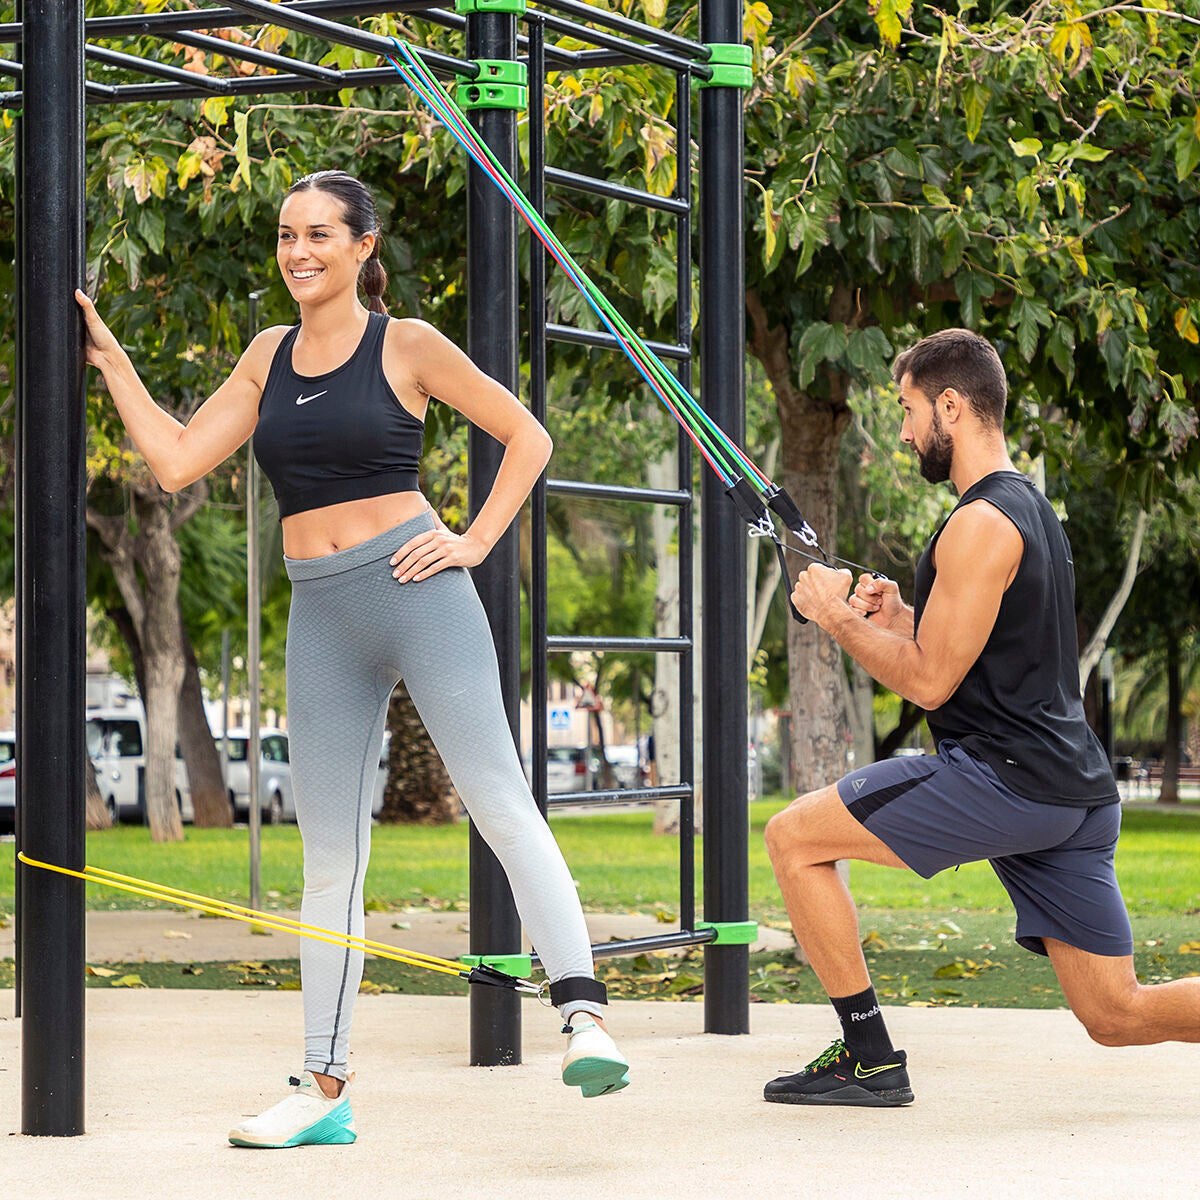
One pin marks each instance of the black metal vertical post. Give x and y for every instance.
(539, 600)
(492, 328)
(723, 535)
(18, 372)
(50, 603)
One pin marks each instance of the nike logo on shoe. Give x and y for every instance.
(861, 1074)
(306, 399)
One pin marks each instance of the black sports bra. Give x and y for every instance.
(326, 439)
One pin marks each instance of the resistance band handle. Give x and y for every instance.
(787, 582)
(495, 978)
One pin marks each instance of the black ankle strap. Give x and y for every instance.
(577, 987)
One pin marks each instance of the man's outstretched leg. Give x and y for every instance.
(1115, 1009)
(805, 842)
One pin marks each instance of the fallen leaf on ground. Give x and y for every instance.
(100, 972)
(129, 981)
(1190, 948)
(175, 933)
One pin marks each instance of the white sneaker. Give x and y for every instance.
(592, 1062)
(305, 1117)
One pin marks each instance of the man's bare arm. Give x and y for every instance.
(978, 555)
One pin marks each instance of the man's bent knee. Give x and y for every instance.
(787, 833)
(1118, 1023)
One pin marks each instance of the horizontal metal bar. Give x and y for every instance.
(93, 91)
(208, 84)
(645, 54)
(657, 941)
(262, 58)
(135, 24)
(616, 491)
(598, 338)
(614, 21)
(632, 645)
(246, 85)
(648, 795)
(614, 191)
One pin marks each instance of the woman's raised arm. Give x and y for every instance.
(180, 454)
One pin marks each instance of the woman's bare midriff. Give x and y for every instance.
(322, 531)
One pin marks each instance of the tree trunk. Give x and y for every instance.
(1091, 654)
(147, 564)
(210, 798)
(95, 814)
(1170, 775)
(811, 426)
(419, 791)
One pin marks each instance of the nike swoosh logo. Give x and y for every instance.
(306, 399)
(861, 1074)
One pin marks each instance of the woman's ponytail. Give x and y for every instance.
(373, 279)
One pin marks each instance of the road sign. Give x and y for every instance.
(560, 718)
(587, 699)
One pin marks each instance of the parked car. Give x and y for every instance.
(568, 769)
(116, 741)
(627, 769)
(276, 801)
(8, 780)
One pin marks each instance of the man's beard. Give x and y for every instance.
(936, 458)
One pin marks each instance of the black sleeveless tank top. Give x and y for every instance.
(1019, 709)
(326, 439)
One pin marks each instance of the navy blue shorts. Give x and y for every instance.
(1056, 863)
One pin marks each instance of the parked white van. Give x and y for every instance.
(116, 744)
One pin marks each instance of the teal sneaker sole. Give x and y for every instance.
(333, 1129)
(597, 1076)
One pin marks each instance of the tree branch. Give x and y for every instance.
(1099, 639)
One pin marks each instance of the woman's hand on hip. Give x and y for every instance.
(102, 348)
(434, 551)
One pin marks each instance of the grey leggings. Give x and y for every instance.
(354, 631)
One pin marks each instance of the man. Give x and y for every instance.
(989, 651)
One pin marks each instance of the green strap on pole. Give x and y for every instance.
(731, 65)
(731, 933)
(520, 965)
(499, 84)
(465, 7)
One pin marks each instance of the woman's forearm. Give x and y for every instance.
(525, 457)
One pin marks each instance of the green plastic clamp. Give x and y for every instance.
(499, 84)
(520, 965)
(730, 62)
(731, 933)
(465, 7)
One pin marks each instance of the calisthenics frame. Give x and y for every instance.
(54, 42)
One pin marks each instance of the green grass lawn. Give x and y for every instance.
(616, 860)
(945, 941)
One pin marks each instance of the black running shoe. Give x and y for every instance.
(837, 1077)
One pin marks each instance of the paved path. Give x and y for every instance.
(1010, 1103)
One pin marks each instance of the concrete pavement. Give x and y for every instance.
(1010, 1103)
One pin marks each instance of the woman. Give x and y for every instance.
(380, 592)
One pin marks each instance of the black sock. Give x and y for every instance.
(863, 1030)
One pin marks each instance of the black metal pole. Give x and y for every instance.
(18, 372)
(723, 534)
(50, 604)
(492, 327)
(539, 599)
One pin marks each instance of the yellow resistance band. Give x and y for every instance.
(276, 921)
